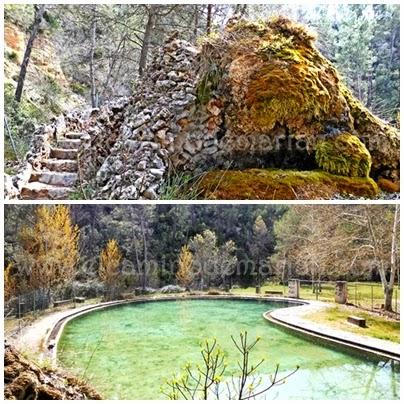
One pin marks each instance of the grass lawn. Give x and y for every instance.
(336, 317)
(377, 326)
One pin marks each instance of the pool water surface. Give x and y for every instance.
(128, 351)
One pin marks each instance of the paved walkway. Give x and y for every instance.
(294, 317)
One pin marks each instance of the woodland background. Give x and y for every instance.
(56, 248)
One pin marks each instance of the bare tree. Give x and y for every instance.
(209, 18)
(205, 381)
(151, 20)
(39, 15)
(374, 231)
(94, 102)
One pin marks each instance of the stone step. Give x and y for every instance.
(68, 143)
(64, 154)
(74, 135)
(39, 190)
(61, 165)
(54, 178)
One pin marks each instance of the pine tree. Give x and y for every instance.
(184, 273)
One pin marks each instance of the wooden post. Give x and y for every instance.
(371, 296)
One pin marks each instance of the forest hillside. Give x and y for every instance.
(232, 242)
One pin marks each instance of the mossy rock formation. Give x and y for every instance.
(280, 95)
(270, 184)
(344, 154)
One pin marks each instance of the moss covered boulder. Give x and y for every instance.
(344, 154)
(278, 96)
(270, 184)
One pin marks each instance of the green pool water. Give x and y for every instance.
(127, 352)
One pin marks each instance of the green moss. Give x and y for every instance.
(208, 83)
(344, 154)
(279, 47)
(272, 184)
(275, 75)
(12, 56)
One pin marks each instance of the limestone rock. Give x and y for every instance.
(10, 190)
(23, 380)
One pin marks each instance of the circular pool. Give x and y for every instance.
(128, 351)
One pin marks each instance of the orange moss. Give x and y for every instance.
(388, 186)
(264, 184)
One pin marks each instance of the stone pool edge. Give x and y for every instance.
(52, 337)
(292, 319)
(284, 317)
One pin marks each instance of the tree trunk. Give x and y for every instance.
(389, 288)
(144, 254)
(39, 12)
(244, 10)
(94, 102)
(241, 10)
(388, 298)
(196, 21)
(112, 64)
(388, 284)
(147, 39)
(209, 19)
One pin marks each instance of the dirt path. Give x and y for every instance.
(32, 337)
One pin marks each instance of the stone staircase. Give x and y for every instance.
(59, 176)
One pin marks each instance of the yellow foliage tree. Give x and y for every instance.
(184, 273)
(110, 259)
(50, 248)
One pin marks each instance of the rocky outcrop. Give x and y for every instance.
(155, 120)
(24, 380)
(281, 97)
(258, 95)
